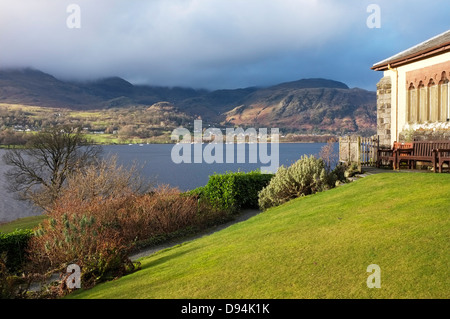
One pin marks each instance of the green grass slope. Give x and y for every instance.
(22, 223)
(314, 247)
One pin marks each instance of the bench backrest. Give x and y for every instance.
(425, 148)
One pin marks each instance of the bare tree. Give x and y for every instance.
(105, 179)
(328, 155)
(39, 171)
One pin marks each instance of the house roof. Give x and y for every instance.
(436, 45)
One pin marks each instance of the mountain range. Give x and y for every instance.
(304, 106)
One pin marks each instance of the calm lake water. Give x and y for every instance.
(156, 164)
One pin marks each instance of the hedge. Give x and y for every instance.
(234, 191)
(12, 248)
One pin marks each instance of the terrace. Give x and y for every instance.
(428, 155)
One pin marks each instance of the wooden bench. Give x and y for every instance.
(421, 151)
(442, 156)
(390, 155)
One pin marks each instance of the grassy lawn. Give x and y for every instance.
(104, 138)
(314, 247)
(34, 110)
(22, 223)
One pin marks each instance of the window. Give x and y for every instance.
(443, 113)
(423, 99)
(433, 102)
(411, 110)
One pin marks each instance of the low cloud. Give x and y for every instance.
(199, 43)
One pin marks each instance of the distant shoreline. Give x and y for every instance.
(6, 147)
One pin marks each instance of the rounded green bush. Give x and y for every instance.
(306, 176)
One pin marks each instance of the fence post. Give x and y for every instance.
(358, 157)
(349, 145)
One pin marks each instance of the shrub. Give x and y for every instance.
(12, 261)
(234, 191)
(162, 212)
(339, 172)
(87, 234)
(352, 169)
(11, 286)
(306, 176)
(13, 246)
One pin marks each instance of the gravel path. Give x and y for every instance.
(244, 215)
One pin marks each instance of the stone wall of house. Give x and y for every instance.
(439, 134)
(384, 111)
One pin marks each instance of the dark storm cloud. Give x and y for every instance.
(213, 43)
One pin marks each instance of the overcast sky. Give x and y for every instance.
(214, 44)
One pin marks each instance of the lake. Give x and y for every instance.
(156, 164)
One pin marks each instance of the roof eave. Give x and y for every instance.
(384, 66)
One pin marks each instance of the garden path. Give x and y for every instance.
(244, 215)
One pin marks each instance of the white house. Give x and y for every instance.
(414, 94)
